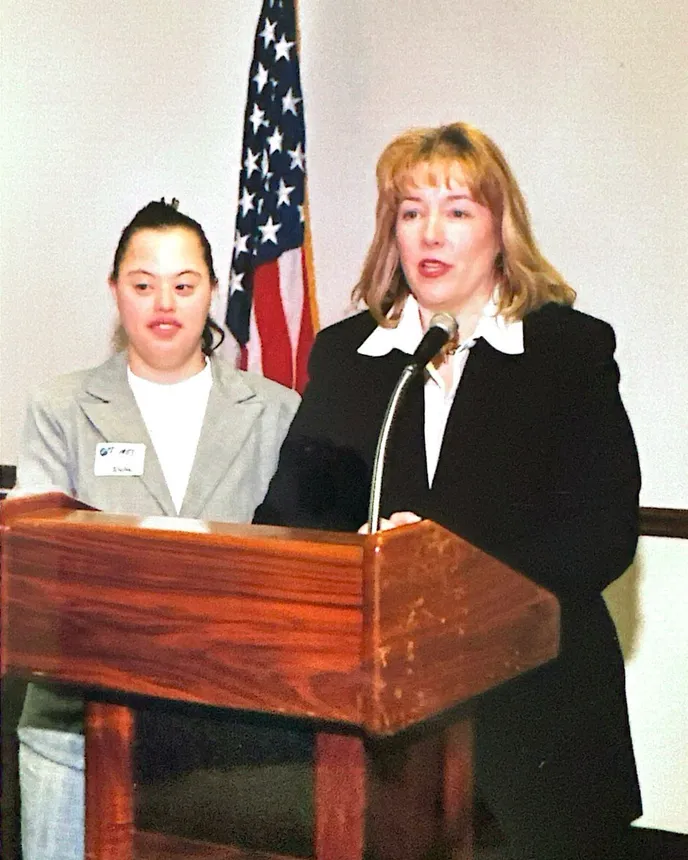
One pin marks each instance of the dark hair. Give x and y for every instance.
(159, 215)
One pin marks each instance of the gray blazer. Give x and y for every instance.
(246, 419)
(245, 422)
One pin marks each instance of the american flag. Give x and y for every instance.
(271, 310)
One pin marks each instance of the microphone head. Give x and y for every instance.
(446, 322)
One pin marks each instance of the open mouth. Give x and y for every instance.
(165, 327)
(433, 268)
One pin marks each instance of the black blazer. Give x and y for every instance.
(538, 467)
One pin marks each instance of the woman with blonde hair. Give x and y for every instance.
(516, 439)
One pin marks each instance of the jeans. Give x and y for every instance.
(51, 777)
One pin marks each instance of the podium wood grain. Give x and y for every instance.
(269, 619)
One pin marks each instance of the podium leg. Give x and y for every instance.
(421, 796)
(405, 807)
(340, 796)
(458, 790)
(109, 734)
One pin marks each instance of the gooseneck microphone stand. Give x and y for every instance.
(442, 328)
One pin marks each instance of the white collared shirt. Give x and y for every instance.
(501, 334)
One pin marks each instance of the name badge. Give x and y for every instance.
(119, 459)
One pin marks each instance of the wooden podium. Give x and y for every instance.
(366, 636)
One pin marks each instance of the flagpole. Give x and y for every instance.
(308, 239)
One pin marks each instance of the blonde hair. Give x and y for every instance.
(434, 156)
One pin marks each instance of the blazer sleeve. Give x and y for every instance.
(43, 462)
(589, 536)
(321, 479)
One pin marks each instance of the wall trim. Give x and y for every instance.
(664, 522)
(8, 475)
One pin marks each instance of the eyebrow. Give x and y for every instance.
(450, 197)
(153, 275)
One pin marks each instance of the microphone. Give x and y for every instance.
(442, 328)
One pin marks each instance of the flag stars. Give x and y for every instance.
(275, 141)
(250, 163)
(265, 167)
(302, 217)
(282, 49)
(268, 33)
(246, 202)
(240, 244)
(298, 157)
(235, 281)
(261, 77)
(269, 231)
(257, 118)
(290, 102)
(283, 193)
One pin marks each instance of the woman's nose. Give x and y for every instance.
(433, 231)
(165, 298)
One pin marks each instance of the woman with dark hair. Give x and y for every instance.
(194, 437)
(516, 439)
(158, 215)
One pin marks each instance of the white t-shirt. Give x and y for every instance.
(173, 414)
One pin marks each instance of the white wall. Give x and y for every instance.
(105, 106)
(649, 606)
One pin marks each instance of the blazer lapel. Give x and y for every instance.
(110, 406)
(232, 410)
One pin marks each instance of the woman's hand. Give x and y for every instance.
(399, 518)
